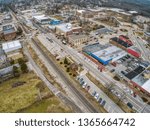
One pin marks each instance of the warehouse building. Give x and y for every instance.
(9, 32)
(3, 58)
(67, 29)
(142, 81)
(103, 31)
(7, 18)
(120, 43)
(42, 19)
(13, 50)
(104, 54)
(7, 72)
(77, 40)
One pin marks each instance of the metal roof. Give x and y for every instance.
(66, 27)
(110, 53)
(76, 37)
(12, 30)
(11, 46)
(94, 47)
(41, 17)
(7, 70)
(146, 86)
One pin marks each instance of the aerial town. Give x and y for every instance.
(67, 58)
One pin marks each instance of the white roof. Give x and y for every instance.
(41, 17)
(133, 12)
(111, 53)
(146, 86)
(11, 46)
(66, 27)
(80, 11)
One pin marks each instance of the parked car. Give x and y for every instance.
(129, 105)
(88, 88)
(100, 100)
(94, 93)
(84, 85)
(96, 96)
(103, 103)
(112, 70)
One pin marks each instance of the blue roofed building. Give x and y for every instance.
(55, 22)
(104, 53)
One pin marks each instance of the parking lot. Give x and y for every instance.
(98, 94)
(127, 67)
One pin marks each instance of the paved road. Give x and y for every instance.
(84, 101)
(103, 77)
(141, 45)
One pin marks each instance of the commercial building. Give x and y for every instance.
(133, 71)
(55, 21)
(77, 40)
(134, 51)
(7, 72)
(86, 13)
(9, 32)
(120, 43)
(104, 54)
(103, 31)
(67, 29)
(42, 19)
(7, 18)
(2, 57)
(127, 45)
(13, 50)
(142, 81)
(125, 39)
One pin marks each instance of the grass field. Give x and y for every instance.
(32, 96)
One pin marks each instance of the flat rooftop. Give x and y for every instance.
(41, 17)
(105, 52)
(146, 86)
(11, 46)
(110, 53)
(94, 48)
(135, 72)
(103, 31)
(76, 37)
(121, 42)
(11, 30)
(66, 27)
(143, 81)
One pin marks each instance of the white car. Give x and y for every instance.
(97, 96)
(84, 85)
